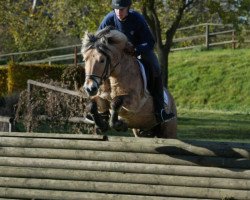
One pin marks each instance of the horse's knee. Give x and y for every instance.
(92, 107)
(115, 107)
(100, 123)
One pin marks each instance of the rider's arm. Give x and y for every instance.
(144, 38)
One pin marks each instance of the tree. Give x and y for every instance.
(164, 18)
(38, 24)
(26, 29)
(50, 23)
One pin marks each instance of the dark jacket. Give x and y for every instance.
(134, 27)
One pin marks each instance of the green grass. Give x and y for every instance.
(216, 126)
(211, 80)
(212, 92)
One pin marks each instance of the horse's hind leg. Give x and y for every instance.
(98, 119)
(114, 122)
(169, 129)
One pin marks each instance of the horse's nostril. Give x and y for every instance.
(91, 90)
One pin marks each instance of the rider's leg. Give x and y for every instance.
(156, 86)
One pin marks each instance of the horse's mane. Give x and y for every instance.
(105, 39)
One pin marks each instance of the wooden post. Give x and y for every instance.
(12, 58)
(29, 89)
(10, 127)
(207, 36)
(8, 120)
(75, 59)
(233, 40)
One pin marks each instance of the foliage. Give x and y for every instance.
(165, 17)
(19, 74)
(28, 30)
(78, 16)
(40, 28)
(49, 111)
(3, 81)
(54, 23)
(8, 105)
(216, 80)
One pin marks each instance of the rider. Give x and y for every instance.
(135, 27)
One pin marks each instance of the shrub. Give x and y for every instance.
(3, 81)
(18, 74)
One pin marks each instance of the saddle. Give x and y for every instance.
(147, 75)
(149, 79)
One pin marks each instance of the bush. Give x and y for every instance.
(3, 81)
(18, 74)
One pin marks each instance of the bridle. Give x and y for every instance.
(108, 69)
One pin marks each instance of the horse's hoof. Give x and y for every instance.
(103, 127)
(119, 126)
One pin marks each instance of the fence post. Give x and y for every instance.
(75, 59)
(207, 36)
(233, 40)
(29, 106)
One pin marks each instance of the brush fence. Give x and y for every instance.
(66, 166)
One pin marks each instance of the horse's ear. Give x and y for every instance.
(92, 38)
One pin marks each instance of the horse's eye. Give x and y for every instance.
(102, 61)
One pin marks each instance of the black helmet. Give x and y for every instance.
(119, 4)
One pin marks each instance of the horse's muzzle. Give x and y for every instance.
(91, 88)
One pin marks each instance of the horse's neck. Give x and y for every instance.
(128, 69)
(126, 77)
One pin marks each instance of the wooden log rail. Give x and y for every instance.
(68, 166)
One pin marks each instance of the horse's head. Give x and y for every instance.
(102, 53)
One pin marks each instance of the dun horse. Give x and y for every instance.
(114, 81)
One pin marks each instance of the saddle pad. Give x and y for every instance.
(143, 74)
(144, 77)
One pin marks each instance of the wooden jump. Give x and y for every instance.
(67, 166)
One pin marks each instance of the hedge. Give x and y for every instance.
(3, 81)
(18, 74)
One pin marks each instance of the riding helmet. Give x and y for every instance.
(119, 4)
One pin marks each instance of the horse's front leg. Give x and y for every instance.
(114, 122)
(100, 123)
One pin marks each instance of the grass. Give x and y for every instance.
(216, 80)
(212, 92)
(192, 124)
(216, 126)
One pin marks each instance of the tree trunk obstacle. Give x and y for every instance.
(67, 166)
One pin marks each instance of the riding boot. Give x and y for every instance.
(158, 99)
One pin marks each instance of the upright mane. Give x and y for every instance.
(105, 39)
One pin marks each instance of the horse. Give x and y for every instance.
(114, 82)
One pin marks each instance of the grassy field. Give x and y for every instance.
(211, 80)
(217, 126)
(192, 124)
(212, 92)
